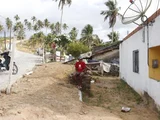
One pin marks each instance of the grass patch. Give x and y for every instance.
(112, 94)
(124, 87)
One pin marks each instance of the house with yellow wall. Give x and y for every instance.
(140, 58)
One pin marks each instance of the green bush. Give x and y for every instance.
(77, 48)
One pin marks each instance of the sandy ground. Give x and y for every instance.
(47, 95)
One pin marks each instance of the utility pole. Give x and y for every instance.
(5, 40)
(8, 90)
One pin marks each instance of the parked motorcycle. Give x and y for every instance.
(4, 66)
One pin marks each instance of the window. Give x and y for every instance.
(136, 61)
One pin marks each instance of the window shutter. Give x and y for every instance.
(136, 61)
(133, 61)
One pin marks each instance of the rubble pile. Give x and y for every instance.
(114, 70)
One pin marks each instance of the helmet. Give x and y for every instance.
(80, 58)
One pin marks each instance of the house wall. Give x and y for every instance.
(141, 81)
(154, 33)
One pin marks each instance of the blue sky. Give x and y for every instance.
(80, 13)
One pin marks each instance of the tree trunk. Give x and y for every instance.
(10, 39)
(5, 40)
(46, 31)
(112, 34)
(61, 25)
(33, 28)
(61, 21)
(43, 53)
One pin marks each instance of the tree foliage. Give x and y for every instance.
(64, 42)
(37, 39)
(77, 48)
(88, 38)
(16, 17)
(9, 23)
(19, 29)
(73, 34)
(29, 26)
(34, 19)
(1, 28)
(46, 24)
(115, 36)
(65, 26)
(111, 12)
(63, 2)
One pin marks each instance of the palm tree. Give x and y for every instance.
(87, 33)
(1, 28)
(96, 40)
(111, 13)
(62, 43)
(19, 29)
(65, 26)
(37, 39)
(26, 22)
(34, 19)
(46, 24)
(9, 27)
(35, 28)
(73, 34)
(115, 36)
(21, 33)
(61, 5)
(58, 28)
(40, 24)
(16, 18)
(52, 27)
(29, 26)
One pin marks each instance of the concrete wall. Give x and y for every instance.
(140, 81)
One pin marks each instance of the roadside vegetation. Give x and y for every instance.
(59, 36)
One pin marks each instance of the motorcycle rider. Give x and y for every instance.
(1, 65)
(7, 59)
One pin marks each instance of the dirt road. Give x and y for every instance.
(47, 95)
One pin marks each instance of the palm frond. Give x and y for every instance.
(69, 2)
(105, 18)
(103, 12)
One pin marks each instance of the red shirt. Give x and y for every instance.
(80, 66)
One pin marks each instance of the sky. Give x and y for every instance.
(79, 14)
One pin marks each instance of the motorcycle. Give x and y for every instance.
(5, 65)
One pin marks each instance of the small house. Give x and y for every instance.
(140, 58)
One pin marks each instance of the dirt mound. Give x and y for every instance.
(47, 95)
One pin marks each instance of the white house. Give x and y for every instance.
(140, 59)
